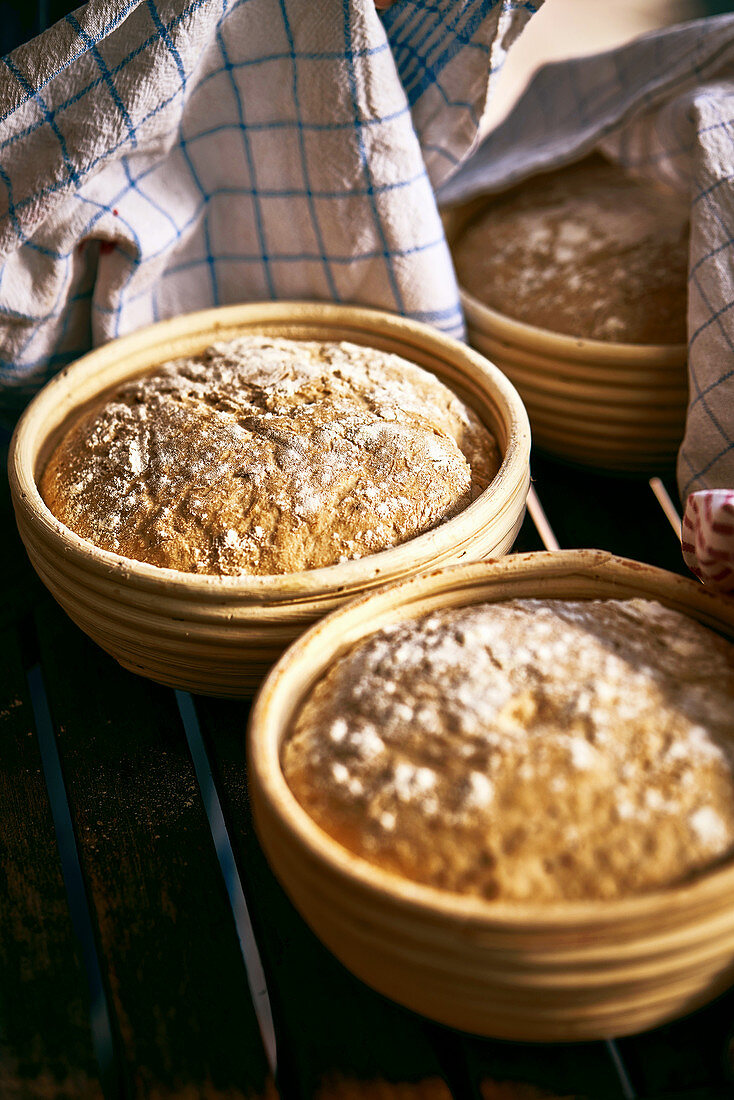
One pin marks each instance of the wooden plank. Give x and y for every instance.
(608, 513)
(336, 1037)
(165, 932)
(46, 1044)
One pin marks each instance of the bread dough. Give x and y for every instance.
(269, 455)
(530, 750)
(586, 251)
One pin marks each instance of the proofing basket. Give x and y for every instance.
(596, 403)
(219, 635)
(564, 971)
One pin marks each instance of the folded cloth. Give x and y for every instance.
(160, 156)
(664, 107)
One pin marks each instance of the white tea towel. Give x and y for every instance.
(664, 107)
(160, 156)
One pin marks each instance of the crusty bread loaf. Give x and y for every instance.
(531, 750)
(268, 455)
(586, 251)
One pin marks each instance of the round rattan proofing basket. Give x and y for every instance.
(568, 971)
(219, 635)
(602, 404)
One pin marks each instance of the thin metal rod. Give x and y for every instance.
(628, 1089)
(225, 856)
(76, 892)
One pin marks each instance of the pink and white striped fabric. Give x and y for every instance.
(708, 537)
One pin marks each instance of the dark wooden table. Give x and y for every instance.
(134, 890)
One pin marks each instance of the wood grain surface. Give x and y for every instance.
(175, 978)
(45, 1035)
(336, 1037)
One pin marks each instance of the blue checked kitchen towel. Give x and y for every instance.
(664, 107)
(158, 156)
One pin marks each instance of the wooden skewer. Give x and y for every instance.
(540, 520)
(666, 504)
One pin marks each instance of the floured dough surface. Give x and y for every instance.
(268, 455)
(531, 750)
(586, 251)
